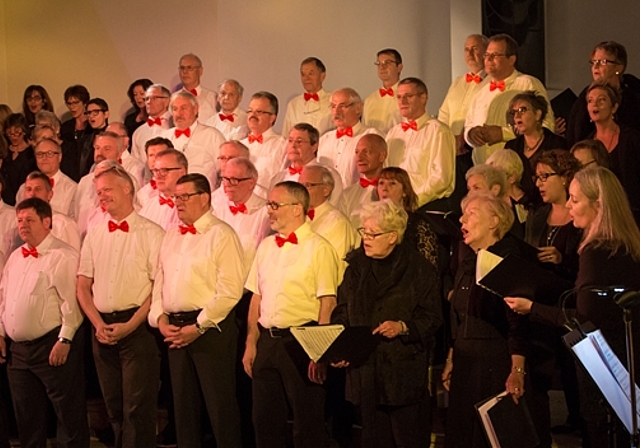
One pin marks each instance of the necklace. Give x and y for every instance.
(533, 148)
(551, 234)
(610, 145)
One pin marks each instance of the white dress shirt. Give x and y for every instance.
(86, 201)
(236, 130)
(316, 113)
(291, 278)
(340, 153)
(428, 155)
(207, 100)
(337, 180)
(38, 295)
(251, 227)
(8, 226)
(62, 227)
(201, 149)
(164, 215)
(204, 271)
(381, 112)
(145, 133)
(491, 108)
(268, 157)
(146, 193)
(353, 199)
(456, 104)
(64, 191)
(135, 168)
(121, 264)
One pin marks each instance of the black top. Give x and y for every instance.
(68, 131)
(130, 122)
(15, 173)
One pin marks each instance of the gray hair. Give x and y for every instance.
(165, 91)
(112, 166)
(492, 175)
(235, 83)
(354, 97)
(388, 215)
(119, 140)
(327, 178)
(50, 118)
(182, 94)
(191, 55)
(509, 162)
(250, 168)
(237, 144)
(495, 206)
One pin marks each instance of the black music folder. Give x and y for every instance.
(334, 343)
(506, 424)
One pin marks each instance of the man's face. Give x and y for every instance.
(496, 63)
(229, 97)
(281, 218)
(259, 116)
(31, 228)
(311, 178)
(166, 183)
(388, 69)
(311, 77)
(474, 54)
(121, 132)
(245, 185)
(193, 207)
(344, 111)
(190, 72)
(299, 147)
(152, 150)
(228, 151)
(97, 117)
(411, 104)
(114, 193)
(105, 148)
(36, 188)
(48, 157)
(156, 102)
(368, 158)
(184, 113)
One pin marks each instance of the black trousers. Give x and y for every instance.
(280, 377)
(129, 374)
(205, 370)
(400, 426)
(33, 382)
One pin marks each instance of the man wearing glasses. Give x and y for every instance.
(190, 71)
(485, 127)
(97, 113)
(380, 110)
(156, 102)
(199, 282)
(228, 150)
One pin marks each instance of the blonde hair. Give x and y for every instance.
(509, 162)
(497, 207)
(388, 215)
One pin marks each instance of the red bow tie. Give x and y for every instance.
(187, 229)
(153, 184)
(166, 201)
(292, 238)
(229, 117)
(186, 132)
(239, 208)
(252, 138)
(311, 96)
(311, 213)
(152, 121)
(364, 182)
(293, 170)
(384, 92)
(52, 182)
(346, 131)
(26, 252)
(124, 226)
(496, 85)
(120, 161)
(193, 92)
(409, 125)
(473, 78)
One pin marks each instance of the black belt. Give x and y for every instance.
(276, 333)
(184, 318)
(119, 317)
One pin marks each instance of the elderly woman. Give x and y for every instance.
(34, 100)
(590, 152)
(510, 163)
(137, 116)
(609, 255)
(391, 288)
(488, 354)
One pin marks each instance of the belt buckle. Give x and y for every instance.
(274, 333)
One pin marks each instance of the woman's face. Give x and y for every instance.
(376, 243)
(391, 189)
(138, 97)
(525, 119)
(600, 106)
(551, 185)
(606, 71)
(35, 102)
(75, 106)
(583, 212)
(478, 225)
(15, 134)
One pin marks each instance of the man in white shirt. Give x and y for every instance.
(170, 165)
(421, 145)
(229, 150)
(380, 108)
(115, 279)
(485, 126)
(294, 279)
(152, 147)
(48, 157)
(190, 71)
(337, 148)
(156, 102)
(371, 153)
(313, 105)
(134, 167)
(231, 120)
(266, 148)
(39, 313)
(199, 282)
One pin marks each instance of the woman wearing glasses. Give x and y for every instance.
(591, 152)
(392, 289)
(34, 100)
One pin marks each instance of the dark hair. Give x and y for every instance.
(17, 120)
(144, 83)
(47, 105)
(537, 102)
(42, 208)
(297, 191)
(269, 96)
(77, 91)
(391, 51)
(598, 151)
(102, 104)
(314, 135)
(181, 159)
(410, 200)
(200, 182)
(316, 61)
(511, 44)
(615, 49)
(421, 87)
(158, 141)
(560, 161)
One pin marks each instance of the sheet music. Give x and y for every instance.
(316, 340)
(486, 420)
(485, 263)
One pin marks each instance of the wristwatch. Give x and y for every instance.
(201, 330)
(65, 340)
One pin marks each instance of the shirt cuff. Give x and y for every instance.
(67, 332)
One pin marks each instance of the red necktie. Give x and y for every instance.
(311, 96)
(124, 226)
(473, 78)
(52, 181)
(346, 131)
(186, 132)
(252, 138)
(496, 85)
(153, 184)
(292, 238)
(384, 92)
(293, 170)
(311, 213)
(166, 201)
(187, 229)
(239, 208)
(229, 117)
(26, 252)
(194, 92)
(152, 121)
(364, 182)
(409, 125)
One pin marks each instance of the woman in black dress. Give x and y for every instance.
(138, 115)
(20, 161)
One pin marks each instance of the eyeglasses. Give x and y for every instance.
(234, 181)
(162, 172)
(597, 62)
(493, 55)
(384, 64)
(544, 177)
(188, 68)
(34, 98)
(298, 141)
(370, 236)
(519, 111)
(312, 184)
(225, 158)
(584, 165)
(185, 197)
(93, 113)
(259, 112)
(272, 205)
(340, 106)
(14, 131)
(154, 98)
(47, 155)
